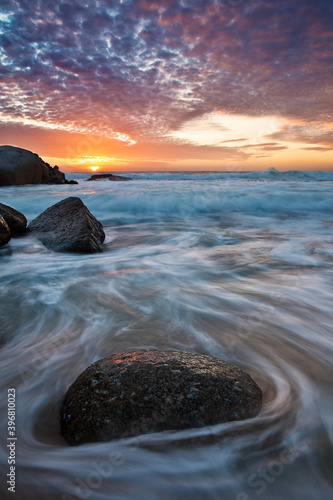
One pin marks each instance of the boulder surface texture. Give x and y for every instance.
(4, 232)
(68, 226)
(16, 221)
(19, 166)
(134, 393)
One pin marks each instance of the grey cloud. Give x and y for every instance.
(146, 67)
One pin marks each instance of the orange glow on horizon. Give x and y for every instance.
(272, 144)
(87, 163)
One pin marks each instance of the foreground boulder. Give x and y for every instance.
(111, 177)
(149, 391)
(4, 232)
(16, 221)
(68, 226)
(19, 166)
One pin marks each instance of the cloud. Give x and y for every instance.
(68, 127)
(216, 128)
(312, 133)
(143, 69)
(320, 149)
(266, 147)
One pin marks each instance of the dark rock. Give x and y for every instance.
(56, 181)
(19, 166)
(68, 226)
(16, 221)
(70, 182)
(56, 177)
(4, 232)
(111, 177)
(149, 391)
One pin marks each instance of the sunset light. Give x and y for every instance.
(169, 85)
(86, 163)
(166, 263)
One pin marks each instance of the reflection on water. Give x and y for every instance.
(181, 270)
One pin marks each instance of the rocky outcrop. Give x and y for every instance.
(19, 166)
(4, 232)
(148, 391)
(68, 226)
(111, 177)
(56, 177)
(16, 221)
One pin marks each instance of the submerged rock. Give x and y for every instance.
(19, 166)
(134, 393)
(16, 221)
(68, 226)
(4, 232)
(111, 177)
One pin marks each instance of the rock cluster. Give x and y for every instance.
(12, 222)
(19, 166)
(4, 232)
(149, 391)
(16, 221)
(111, 177)
(68, 226)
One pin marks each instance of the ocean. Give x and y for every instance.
(232, 265)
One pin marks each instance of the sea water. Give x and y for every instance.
(237, 266)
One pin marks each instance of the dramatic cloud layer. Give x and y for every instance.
(146, 72)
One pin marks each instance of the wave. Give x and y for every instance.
(257, 294)
(153, 200)
(186, 204)
(269, 175)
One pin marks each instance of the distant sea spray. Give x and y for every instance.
(161, 195)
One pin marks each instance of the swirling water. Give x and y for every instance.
(237, 266)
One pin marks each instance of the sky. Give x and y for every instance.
(121, 85)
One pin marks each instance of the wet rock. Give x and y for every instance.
(19, 166)
(16, 221)
(56, 176)
(111, 177)
(4, 232)
(68, 226)
(133, 393)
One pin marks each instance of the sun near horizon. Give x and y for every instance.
(211, 142)
(224, 86)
